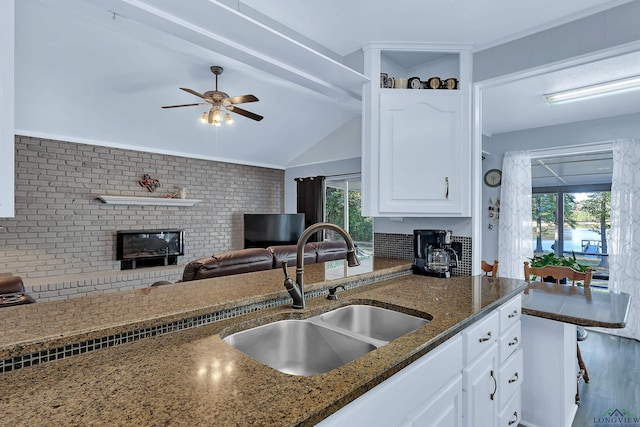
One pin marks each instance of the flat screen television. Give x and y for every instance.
(263, 230)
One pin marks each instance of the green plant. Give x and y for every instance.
(552, 259)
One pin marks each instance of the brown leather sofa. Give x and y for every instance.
(12, 291)
(258, 259)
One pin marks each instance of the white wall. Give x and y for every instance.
(587, 132)
(343, 143)
(7, 176)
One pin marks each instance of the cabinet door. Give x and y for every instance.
(422, 161)
(407, 392)
(480, 390)
(444, 410)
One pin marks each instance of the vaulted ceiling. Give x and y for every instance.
(98, 71)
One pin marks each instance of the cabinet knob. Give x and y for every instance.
(514, 378)
(513, 421)
(495, 385)
(514, 342)
(446, 181)
(487, 338)
(514, 314)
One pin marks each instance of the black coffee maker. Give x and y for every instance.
(435, 253)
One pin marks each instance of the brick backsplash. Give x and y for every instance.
(61, 229)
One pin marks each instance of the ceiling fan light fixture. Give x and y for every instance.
(588, 92)
(217, 100)
(217, 115)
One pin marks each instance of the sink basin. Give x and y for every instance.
(374, 322)
(299, 347)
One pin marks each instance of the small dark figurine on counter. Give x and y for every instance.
(150, 183)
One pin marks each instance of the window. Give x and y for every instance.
(343, 207)
(574, 220)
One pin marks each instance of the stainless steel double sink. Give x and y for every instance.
(326, 341)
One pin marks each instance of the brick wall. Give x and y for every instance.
(61, 229)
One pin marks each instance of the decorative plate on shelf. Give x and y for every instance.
(415, 83)
(434, 83)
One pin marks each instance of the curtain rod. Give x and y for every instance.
(342, 175)
(571, 150)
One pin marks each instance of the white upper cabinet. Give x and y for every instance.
(416, 148)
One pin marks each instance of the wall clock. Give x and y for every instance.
(493, 177)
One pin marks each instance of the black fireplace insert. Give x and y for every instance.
(149, 248)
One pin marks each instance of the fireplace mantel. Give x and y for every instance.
(146, 201)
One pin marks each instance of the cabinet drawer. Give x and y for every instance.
(509, 378)
(509, 342)
(478, 337)
(511, 415)
(510, 313)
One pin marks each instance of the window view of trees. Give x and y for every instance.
(578, 224)
(360, 228)
(596, 210)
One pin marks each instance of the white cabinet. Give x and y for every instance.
(462, 382)
(550, 362)
(7, 167)
(480, 386)
(444, 410)
(416, 148)
(492, 376)
(429, 387)
(413, 128)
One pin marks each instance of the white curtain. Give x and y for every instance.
(514, 238)
(624, 241)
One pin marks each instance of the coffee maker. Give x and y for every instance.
(435, 253)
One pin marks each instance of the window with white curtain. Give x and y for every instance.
(571, 209)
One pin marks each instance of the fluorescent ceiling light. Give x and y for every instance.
(603, 89)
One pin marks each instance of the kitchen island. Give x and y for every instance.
(550, 315)
(192, 377)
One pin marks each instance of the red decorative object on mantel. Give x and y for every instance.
(150, 183)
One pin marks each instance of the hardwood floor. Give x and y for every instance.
(614, 370)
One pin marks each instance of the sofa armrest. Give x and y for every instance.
(12, 291)
(192, 268)
(11, 285)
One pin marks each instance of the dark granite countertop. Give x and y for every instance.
(573, 304)
(192, 377)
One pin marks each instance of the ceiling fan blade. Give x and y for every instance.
(193, 92)
(184, 105)
(241, 99)
(245, 113)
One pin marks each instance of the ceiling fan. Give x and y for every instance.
(219, 100)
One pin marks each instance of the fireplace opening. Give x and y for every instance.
(148, 248)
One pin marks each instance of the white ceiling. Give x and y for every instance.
(520, 104)
(581, 170)
(87, 74)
